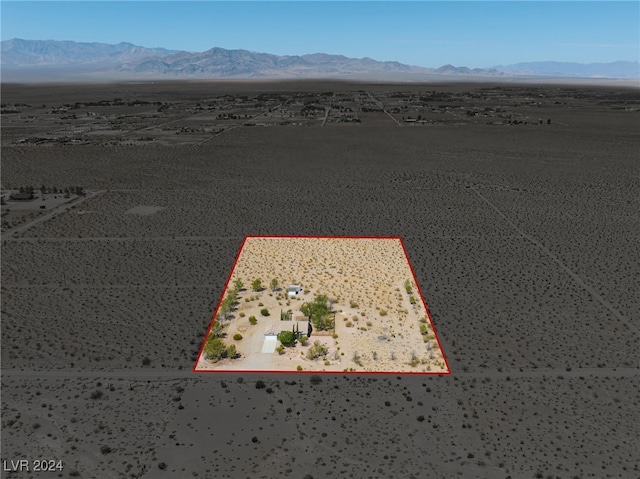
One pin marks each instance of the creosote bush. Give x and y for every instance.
(317, 350)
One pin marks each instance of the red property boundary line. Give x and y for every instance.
(415, 280)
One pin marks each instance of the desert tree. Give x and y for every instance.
(319, 312)
(225, 307)
(215, 349)
(274, 284)
(256, 285)
(238, 284)
(216, 329)
(287, 338)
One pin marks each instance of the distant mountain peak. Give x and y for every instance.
(38, 58)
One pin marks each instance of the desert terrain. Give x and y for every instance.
(519, 209)
(378, 321)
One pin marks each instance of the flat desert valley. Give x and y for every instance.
(125, 207)
(376, 320)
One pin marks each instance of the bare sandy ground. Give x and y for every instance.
(377, 327)
(523, 238)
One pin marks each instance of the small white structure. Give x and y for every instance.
(294, 290)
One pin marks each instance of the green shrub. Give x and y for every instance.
(264, 312)
(317, 350)
(252, 320)
(299, 368)
(412, 299)
(407, 286)
(287, 338)
(215, 349)
(280, 349)
(232, 352)
(237, 336)
(242, 315)
(303, 340)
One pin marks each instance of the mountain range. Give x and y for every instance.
(25, 60)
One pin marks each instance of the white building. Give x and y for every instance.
(294, 290)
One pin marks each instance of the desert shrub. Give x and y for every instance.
(280, 349)
(423, 319)
(242, 315)
(260, 384)
(299, 368)
(407, 286)
(287, 338)
(237, 336)
(353, 304)
(232, 351)
(317, 350)
(146, 361)
(215, 349)
(412, 299)
(349, 324)
(264, 312)
(369, 323)
(256, 285)
(327, 363)
(315, 379)
(105, 449)
(304, 340)
(97, 394)
(252, 320)
(357, 359)
(260, 304)
(162, 466)
(382, 312)
(423, 328)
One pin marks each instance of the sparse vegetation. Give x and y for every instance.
(316, 351)
(357, 359)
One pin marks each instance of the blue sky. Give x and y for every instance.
(429, 34)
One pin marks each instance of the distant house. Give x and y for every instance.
(294, 290)
(21, 196)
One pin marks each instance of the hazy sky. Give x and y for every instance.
(430, 34)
